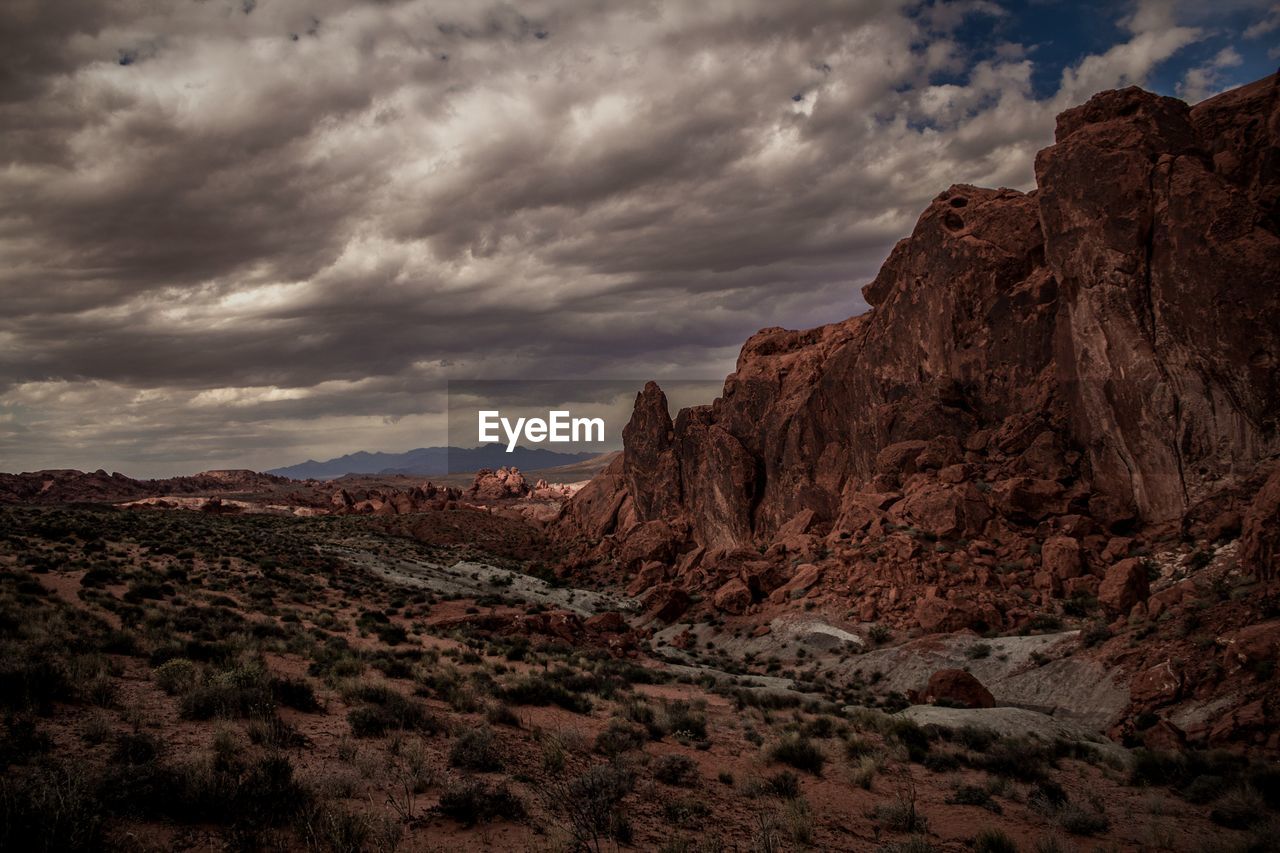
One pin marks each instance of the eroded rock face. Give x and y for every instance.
(1167, 332)
(1044, 380)
(1105, 347)
(1260, 530)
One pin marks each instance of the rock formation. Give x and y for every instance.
(957, 687)
(392, 501)
(1045, 381)
(498, 485)
(1095, 354)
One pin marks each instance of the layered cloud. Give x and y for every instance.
(243, 232)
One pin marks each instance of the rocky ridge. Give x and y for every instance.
(1062, 403)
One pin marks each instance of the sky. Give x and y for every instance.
(244, 233)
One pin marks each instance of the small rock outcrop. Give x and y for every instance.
(957, 687)
(424, 498)
(502, 484)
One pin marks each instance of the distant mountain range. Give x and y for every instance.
(430, 461)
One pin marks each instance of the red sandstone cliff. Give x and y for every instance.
(1040, 374)
(1062, 405)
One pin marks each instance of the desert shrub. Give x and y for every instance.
(864, 772)
(1043, 622)
(1050, 844)
(206, 701)
(820, 728)
(99, 576)
(901, 815)
(500, 714)
(619, 737)
(270, 730)
(1080, 820)
(978, 651)
(392, 635)
(974, 738)
(911, 735)
(33, 682)
(675, 770)
(473, 801)
(993, 841)
(1095, 634)
(1265, 779)
(914, 844)
(51, 809)
(476, 749)
(215, 652)
(974, 795)
(783, 784)
(176, 676)
(800, 752)
(941, 762)
(680, 718)
(1046, 797)
(1150, 767)
(329, 827)
(1080, 605)
(1239, 808)
(296, 693)
(387, 709)
(684, 812)
(368, 721)
(247, 797)
(22, 739)
(879, 634)
(538, 690)
(1205, 789)
(797, 817)
(591, 805)
(856, 747)
(135, 748)
(1015, 758)
(639, 711)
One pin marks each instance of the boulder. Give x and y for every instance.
(1164, 736)
(649, 575)
(943, 511)
(610, 622)
(652, 541)
(734, 597)
(1060, 557)
(899, 458)
(666, 603)
(1156, 685)
(959, 687)
(1252, 645)
(940, 616)
(1124, 585)
(1029, 498)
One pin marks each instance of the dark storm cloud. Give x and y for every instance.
(242, 233)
